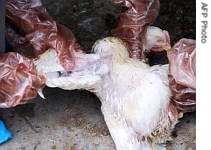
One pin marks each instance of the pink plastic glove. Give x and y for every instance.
(32, 31)
(135, 17)
(182, 77)
(19, 80)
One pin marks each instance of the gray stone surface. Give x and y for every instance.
(72, 120)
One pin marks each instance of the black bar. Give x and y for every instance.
(2, 26)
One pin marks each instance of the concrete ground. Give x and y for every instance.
(72, 120)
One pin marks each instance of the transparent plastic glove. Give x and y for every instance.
(32, 31)
(19, 80)
(135, 17)
(182, 77)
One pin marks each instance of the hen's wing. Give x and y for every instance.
(86, 73)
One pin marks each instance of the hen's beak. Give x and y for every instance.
(166, 46)
(40, 93)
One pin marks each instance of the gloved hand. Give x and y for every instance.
(19, 80)
(135, 17)
(31, 31)
(182, 77)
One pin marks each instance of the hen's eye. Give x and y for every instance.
(159, 40)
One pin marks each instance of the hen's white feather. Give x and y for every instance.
(136, 100)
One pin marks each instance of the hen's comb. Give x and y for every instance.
(166, 33)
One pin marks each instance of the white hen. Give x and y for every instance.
(135, 97)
